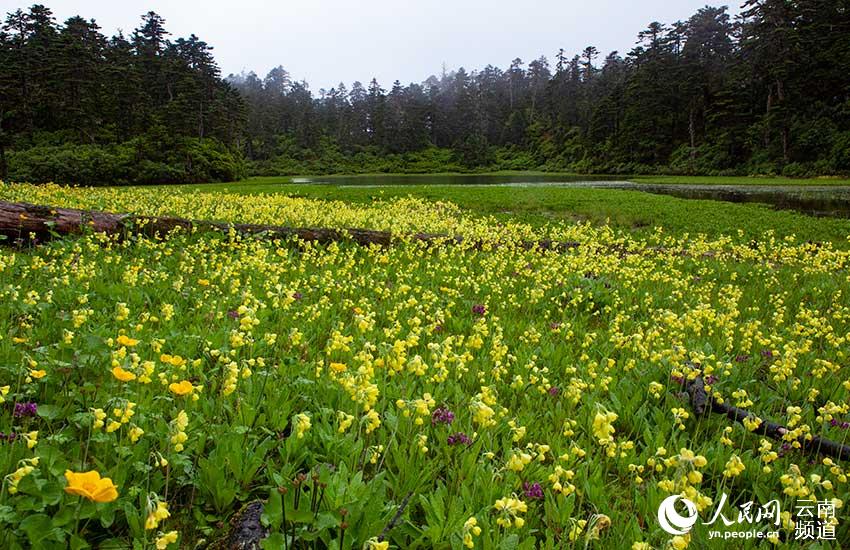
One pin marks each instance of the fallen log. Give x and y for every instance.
(702, 403)
(18, 221)
(21, 221)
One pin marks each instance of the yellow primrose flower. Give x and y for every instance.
(91, 486)
(734, 467)
(470, 529)
(158, 512)
(374, 544)
(509, 509)
(301, 422)
(31, 439)
(135, 433)
(123, 375)
(183, 387)
(166, 539)
(345, 420)
(124, 340)
(602, 428)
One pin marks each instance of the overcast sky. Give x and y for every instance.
(328, 41)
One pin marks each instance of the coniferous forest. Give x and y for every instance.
(766, 92)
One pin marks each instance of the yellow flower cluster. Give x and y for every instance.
(508, 510)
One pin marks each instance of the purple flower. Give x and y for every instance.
(11, 437)
(233, 314)
(479, 309)
(833, 422)
(742, 358)
(25, 409)
(554, 391)
(297, 295)
(459, 438)
(532, 490)
(710, 379)
(442, 415)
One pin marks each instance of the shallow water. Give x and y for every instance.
(815, 200)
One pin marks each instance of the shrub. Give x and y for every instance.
(137, 161)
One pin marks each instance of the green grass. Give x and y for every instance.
(739, 180)
(637, 211)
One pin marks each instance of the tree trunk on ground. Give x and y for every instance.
(20, 221)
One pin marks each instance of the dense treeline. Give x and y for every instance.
(766, 92)
(76, 106)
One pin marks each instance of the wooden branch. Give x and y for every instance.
(703, 403)
(18, 221)
(396, 517)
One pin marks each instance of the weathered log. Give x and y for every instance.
(245, 531)
(702, 403)
(20, 221)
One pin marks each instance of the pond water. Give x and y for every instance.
(814, 200)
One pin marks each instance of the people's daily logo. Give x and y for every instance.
(670, 519)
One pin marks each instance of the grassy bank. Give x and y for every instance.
(637, 211)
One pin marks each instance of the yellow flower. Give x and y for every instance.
(124, 340)
(91, 485)
(179, 426)
(99, 416)
(602, 428)
(4, 391)
(374, 544)
(135, 433)
(734, 467)
(509, 509)
(167, 538)
(26, 467)
(679, 542)
(183, 387)
(158, 514)
(470, 529)
(41, 373)
(301, 421)
(373, 421)
(31, 439)
(123, 375)
(344, 420)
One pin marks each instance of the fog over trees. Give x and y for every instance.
(767, 92)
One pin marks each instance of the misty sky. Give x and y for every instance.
(328, 41)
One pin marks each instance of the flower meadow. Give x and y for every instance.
(473, 395)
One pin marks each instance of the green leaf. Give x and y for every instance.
(273, 512)
(107, 517)
(274, 541)
(79, 544)
(510, 543)
(49, 412)
(300, 516)
(37, 527)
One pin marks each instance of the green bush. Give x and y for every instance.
(138, 161)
